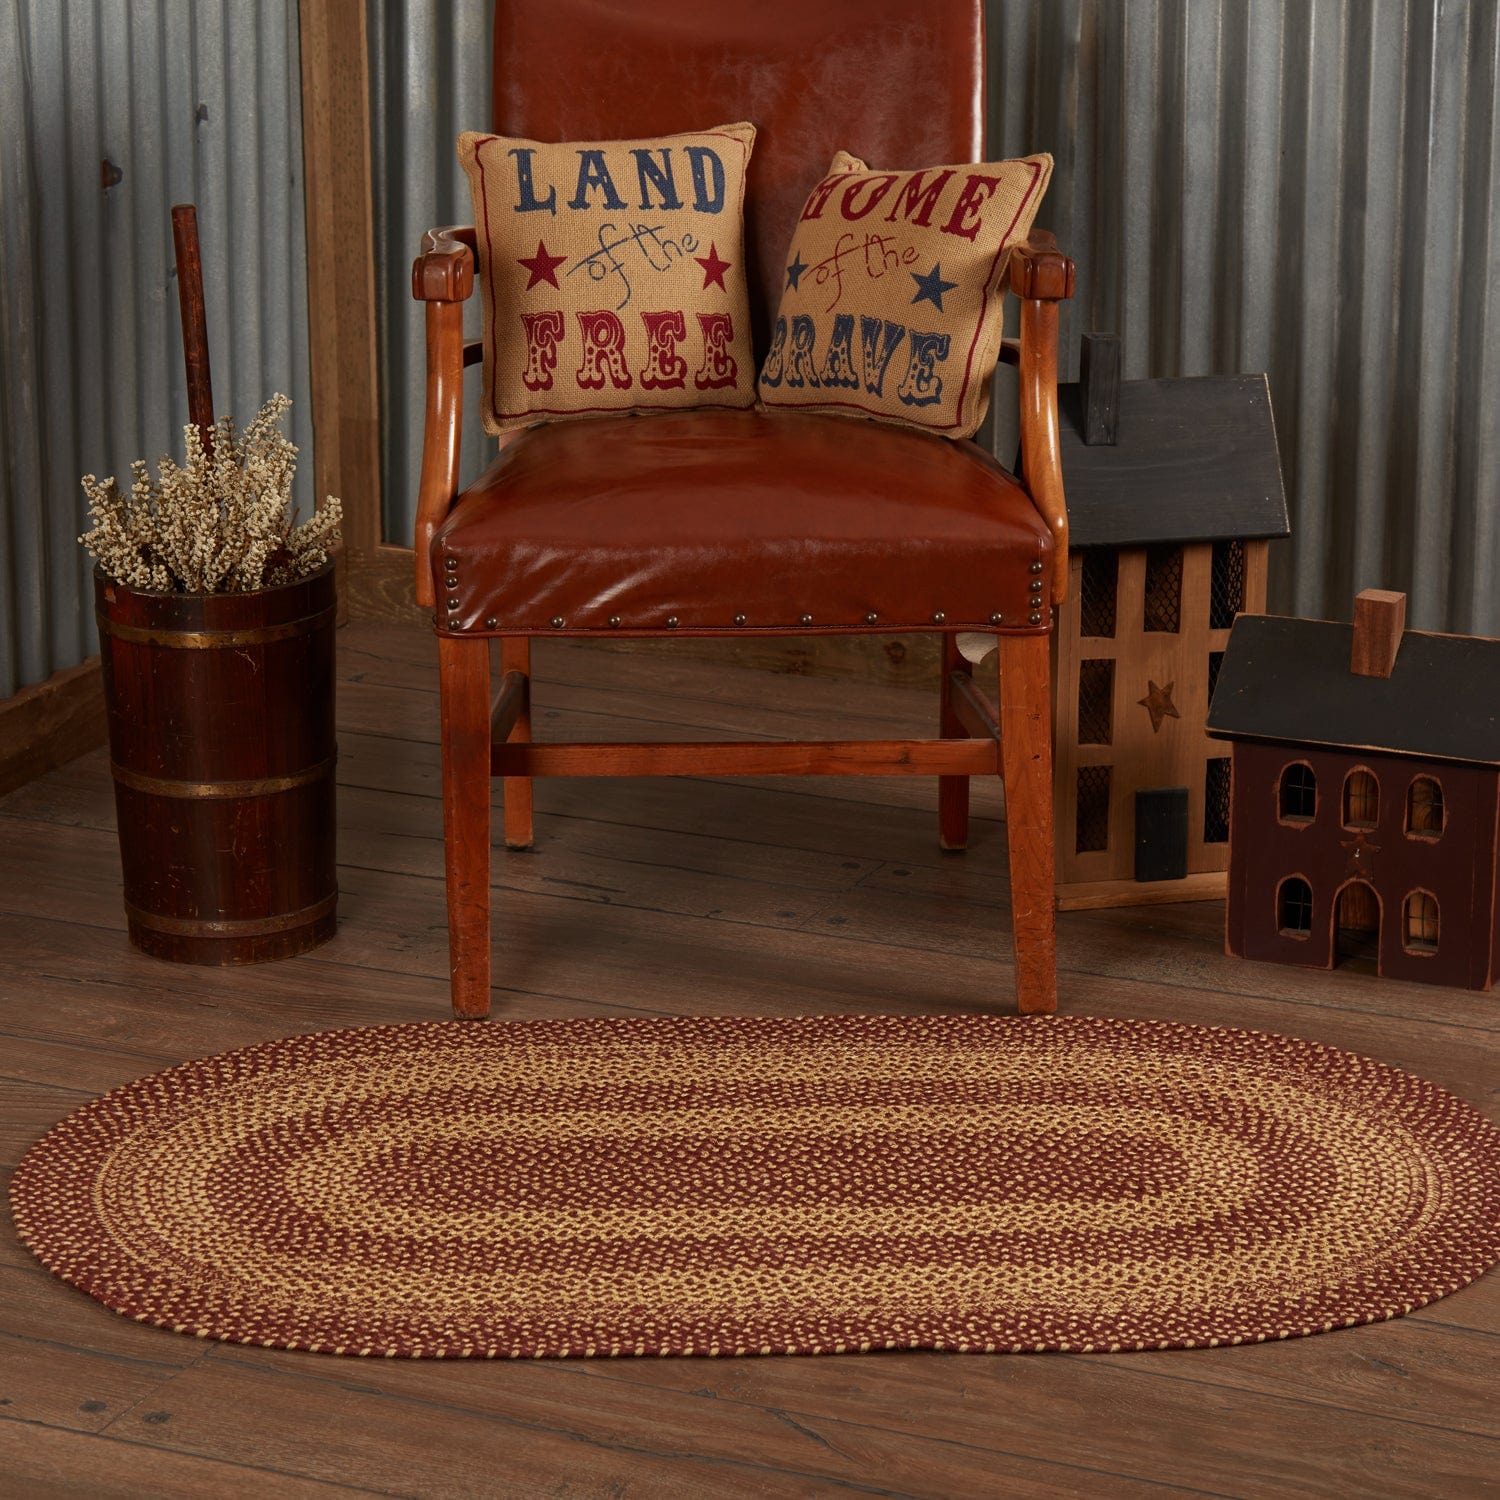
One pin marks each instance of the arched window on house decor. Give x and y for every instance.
(1361, 799)
(1424, 808)
(1297, 796)
(1294, 907)
(1419, 930)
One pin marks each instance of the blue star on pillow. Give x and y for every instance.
(794, 272)
(930, 288)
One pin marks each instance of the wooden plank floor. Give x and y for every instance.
(669, 897)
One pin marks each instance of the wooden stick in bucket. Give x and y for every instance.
(194, 322)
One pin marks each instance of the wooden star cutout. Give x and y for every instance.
(713, 268)
(541, 266)
(1158, 703)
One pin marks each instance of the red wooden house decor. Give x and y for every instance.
(1365, 788)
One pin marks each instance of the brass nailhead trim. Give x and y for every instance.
(1036, 567)
(739, 619)
(806, 619)
(490, 622)
(671, 622)
(996, 618)
(452, 605)
(1034, 619)
(614, 620)
(557, 622)
(451, 562)
(939, 617)
(871, 618)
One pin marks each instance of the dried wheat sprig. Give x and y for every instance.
(224, 524)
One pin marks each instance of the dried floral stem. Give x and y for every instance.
(220, 525)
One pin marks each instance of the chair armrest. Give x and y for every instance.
(1039, 270)
(442, 276)
(444, 271)
(1041, 276)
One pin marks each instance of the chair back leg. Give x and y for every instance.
(1026, 761)
(953, 791)
(464, 689)
(515, 656)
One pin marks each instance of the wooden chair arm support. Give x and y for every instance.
(443, 277)
(1042, 277)
(444, 271)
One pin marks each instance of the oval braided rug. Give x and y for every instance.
(732, 1186)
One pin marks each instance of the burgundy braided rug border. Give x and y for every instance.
(744, 1186)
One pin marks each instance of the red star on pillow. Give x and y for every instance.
(543, 267)
(713, 268)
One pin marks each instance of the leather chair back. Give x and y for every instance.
(899, 83)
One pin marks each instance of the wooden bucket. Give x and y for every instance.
(222, 747)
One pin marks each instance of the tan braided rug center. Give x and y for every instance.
(733, 1186)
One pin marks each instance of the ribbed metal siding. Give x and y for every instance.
(193, 101)
(1305, 187)
(429, 80)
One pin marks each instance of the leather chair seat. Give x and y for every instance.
(740, 522)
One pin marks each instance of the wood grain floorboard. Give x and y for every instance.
(667, 897)
(47, 1463)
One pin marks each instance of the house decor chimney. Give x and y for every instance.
(1099, 387)
(1379, 619)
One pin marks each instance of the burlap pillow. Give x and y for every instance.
(613, 274)
(895, 284)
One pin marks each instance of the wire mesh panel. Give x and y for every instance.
(1226, 596)
(1162, 609)
(1093, 809)
(1096, 701)
(1096, 593)
(1216, 800)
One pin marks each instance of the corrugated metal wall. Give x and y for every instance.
(192, 101)
(429, 80)
(1305, 187)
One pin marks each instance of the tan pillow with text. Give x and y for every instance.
(893, 301)
(612, 274)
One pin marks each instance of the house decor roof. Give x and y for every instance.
(1290, 680)
(1196, 460)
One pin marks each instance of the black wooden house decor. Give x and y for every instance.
(1366, 809)
(1174, 492)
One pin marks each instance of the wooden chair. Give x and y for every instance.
(891, 529)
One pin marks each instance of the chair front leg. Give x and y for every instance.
(464, 686)
(953, 791)
(515, 656)
(1026, 762)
